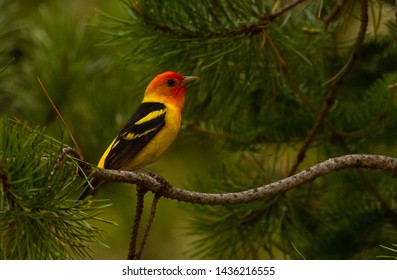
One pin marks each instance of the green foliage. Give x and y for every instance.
(38, 216)
(390, 249)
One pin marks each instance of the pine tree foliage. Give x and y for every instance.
(264, 82)
(38, 216)
(391, 249)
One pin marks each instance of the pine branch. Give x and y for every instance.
(335, 88)
(165, 189)
(242, 29)
(37, 178)
(372, 188)
(284, 9)
(335, 11)
(161, 187)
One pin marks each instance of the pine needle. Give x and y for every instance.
(8, 64)
(61, 118)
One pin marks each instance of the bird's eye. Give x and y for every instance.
(170, 83)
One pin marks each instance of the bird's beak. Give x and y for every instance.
(189, 79)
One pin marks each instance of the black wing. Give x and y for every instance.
(141, 127)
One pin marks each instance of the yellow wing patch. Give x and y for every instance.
(151, 116)
(131, 135)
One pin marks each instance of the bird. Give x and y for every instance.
(150, 130)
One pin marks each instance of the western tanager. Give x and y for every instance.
(150, 130)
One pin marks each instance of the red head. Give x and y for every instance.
(168, 87)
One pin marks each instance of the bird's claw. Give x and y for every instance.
(162, 181)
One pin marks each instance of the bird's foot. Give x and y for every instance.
(162, 181)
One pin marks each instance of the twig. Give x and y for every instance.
(65, 151)
(148, 226)
(384, 163)
(338, 79)
(370, 186)
(335, 11)
(141, 191)
(284, 9)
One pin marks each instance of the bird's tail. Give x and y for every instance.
(90, 187)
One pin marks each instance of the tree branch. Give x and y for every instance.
(242, 29)
(335, 11)
(284, 9)
(163, 188)
(338, 79)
